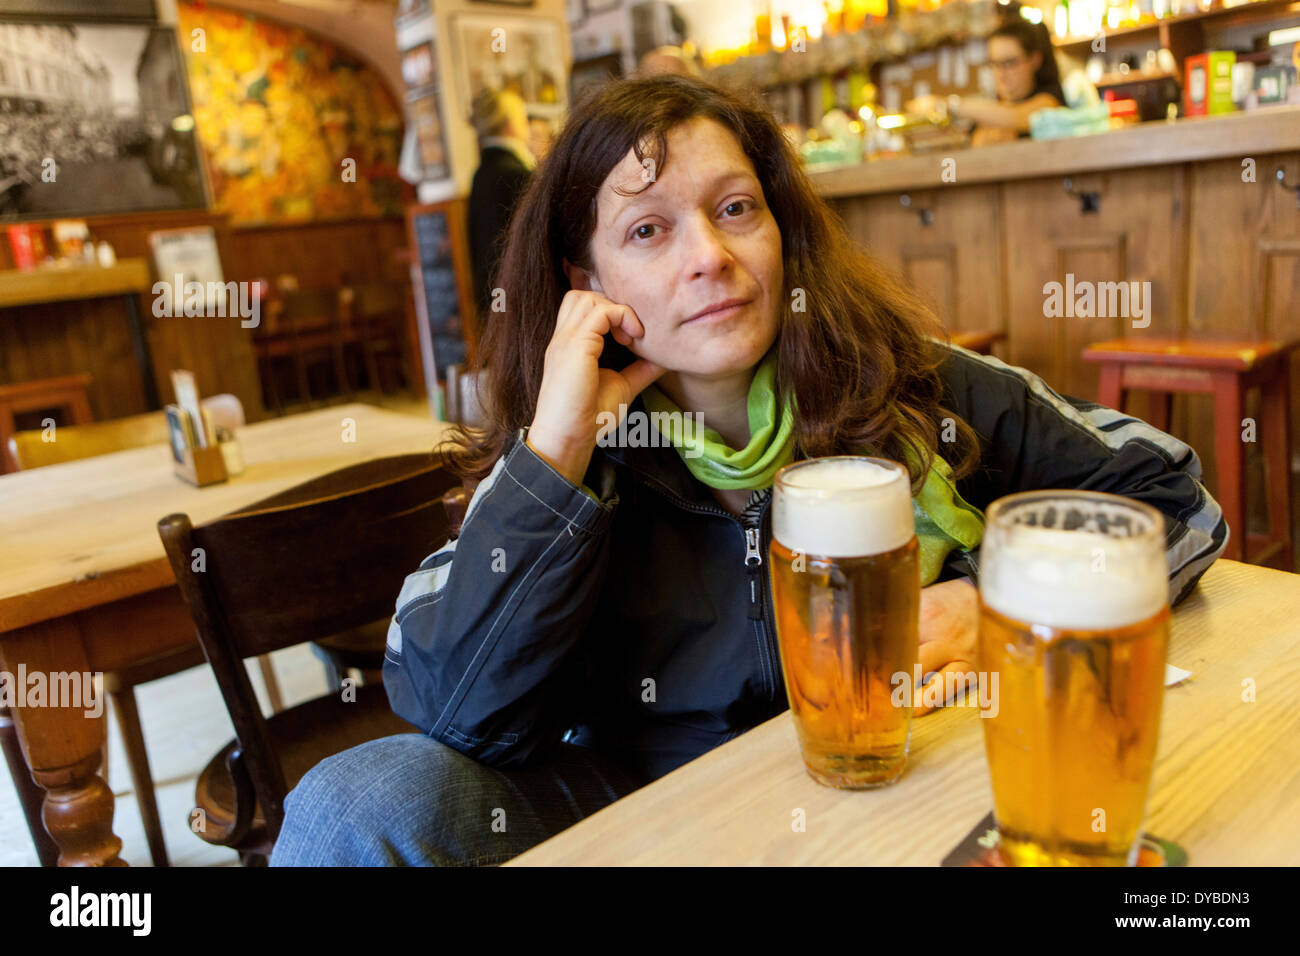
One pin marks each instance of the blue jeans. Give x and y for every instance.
(409, 800)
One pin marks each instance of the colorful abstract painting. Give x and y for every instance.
(280, 112)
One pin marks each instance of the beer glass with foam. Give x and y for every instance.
(846, 589)
(1074, 621)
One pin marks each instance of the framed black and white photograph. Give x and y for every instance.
(409, 11)
(94, 119)
(525, 54)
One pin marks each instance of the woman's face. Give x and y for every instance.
(1013, 70)
(699, 235)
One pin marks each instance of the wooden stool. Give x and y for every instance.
(1225, 370)
(981, 342)
(67, 394)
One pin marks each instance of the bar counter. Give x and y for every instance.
(1253, 133)
(1191, 210)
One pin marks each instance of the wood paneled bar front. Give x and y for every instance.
(1203, 209)
(92, 333)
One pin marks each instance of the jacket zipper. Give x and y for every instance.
(765, 525)
(759, 600)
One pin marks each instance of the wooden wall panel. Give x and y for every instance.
(1243, 274)
(1134, 236)
(322, 255)
(52, 340)
(954, 261)
(92, 335)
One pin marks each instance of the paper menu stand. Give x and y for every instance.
(198, 465)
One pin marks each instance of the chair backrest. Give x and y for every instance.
(466, 394)
(317, 559)
(68, 395)
(309, 309)
(68, 392)
(379, 298)
(34, 449)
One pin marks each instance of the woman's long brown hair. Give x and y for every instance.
(856, 356)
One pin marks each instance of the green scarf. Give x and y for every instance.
(944, 521)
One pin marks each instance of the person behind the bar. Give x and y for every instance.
(500, 121)
(604, 615)
(668, 59)
(1027, 80)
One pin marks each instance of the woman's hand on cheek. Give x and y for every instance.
(949, 624)
(575, 391)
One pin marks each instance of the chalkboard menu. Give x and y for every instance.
(438, 300)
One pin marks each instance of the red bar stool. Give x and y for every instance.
(1226, 370)
(981, 342)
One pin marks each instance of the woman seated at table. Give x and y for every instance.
(597, 623)
(1027, 80)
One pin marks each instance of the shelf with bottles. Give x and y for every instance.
(1108, 80)
(791, 53)
(1150, 16)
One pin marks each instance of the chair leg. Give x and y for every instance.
(304, 387)
(1230, 460)
(1275, 402)
(137, 757)
(30, 795)
(341, 371)
(372, 369)
(1110, 387)
(272, 685)
(1160, 410)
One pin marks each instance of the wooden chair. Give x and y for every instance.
(34, 448)
(316, 334)
(30, 449)
(373, 317)
(465, 394)
(66, 394)
(298, 567)
(1226, 370)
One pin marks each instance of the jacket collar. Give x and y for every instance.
(659, 467)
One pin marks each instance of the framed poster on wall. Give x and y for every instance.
(531, 63)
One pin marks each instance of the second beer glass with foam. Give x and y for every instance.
(846, 589)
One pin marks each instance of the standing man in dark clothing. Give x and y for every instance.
(501, 123)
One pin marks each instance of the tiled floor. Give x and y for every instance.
(185, 723)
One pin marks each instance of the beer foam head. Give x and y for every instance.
(1081, 579)
(842, 507)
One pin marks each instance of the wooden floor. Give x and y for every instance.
(185, 723)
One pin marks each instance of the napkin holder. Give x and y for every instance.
(202, 466)
(198, 465)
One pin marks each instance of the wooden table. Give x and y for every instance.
(1226, 784)
(85, 584)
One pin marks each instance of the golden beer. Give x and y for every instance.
(1074, 621)
(845, 575)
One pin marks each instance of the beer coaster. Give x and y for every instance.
(980, 848)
